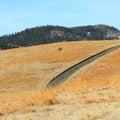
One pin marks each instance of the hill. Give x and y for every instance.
(53, 34)
(31, 64)
(91, 93)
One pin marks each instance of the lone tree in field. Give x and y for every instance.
(59, 49)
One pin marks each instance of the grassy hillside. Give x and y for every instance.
(25, 71)
(33, 65)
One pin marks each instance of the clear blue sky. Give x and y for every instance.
(17, 15)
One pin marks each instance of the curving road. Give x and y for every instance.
(68, 72)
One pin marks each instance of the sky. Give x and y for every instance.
(17, 15)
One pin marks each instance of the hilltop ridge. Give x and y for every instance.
(52, 34)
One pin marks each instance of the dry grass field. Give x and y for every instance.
(91, 93)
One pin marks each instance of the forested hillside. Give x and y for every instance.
(51, 34)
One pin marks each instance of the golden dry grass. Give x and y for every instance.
(37, 64)
(23, 101)
(23, 72)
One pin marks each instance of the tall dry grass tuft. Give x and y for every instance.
(25, 100)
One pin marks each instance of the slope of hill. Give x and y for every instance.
(91, 93)
(37, 64)
(52, 34)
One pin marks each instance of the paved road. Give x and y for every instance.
(63, 76)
